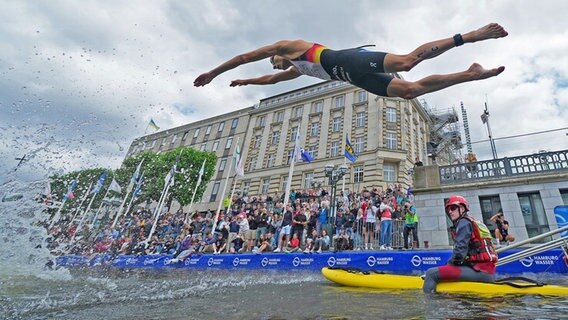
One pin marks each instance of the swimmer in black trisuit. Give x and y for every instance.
(365, 69)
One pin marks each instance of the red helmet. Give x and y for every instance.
(457, 200)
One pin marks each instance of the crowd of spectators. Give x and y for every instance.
(363, 221)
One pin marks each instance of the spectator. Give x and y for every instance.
(294, 244)
(410, 224)
(220, 244)
(386, 223)
(502, 230)
(265, 243)
(286, 228)
(322, 242)
(237, 245)
(323, 216)
(341, 240)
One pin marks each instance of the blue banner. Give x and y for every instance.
(399, 262)
(561, 214)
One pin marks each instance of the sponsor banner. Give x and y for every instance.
(400, 262)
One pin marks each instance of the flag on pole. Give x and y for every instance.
(138, 189)
(169, 180)
(297, 150)
(135, 177)
(70, 188)
(201, 172)
(114, 186)
(239, 166)
(484, 116)
(349, 152)
(153, 125)
(306, 156)
(100, 182)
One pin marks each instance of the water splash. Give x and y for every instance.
(23, 249)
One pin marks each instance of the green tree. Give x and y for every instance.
(154, 167)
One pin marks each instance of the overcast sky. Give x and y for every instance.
(79, 80)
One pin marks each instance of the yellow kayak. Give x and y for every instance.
(399, 282)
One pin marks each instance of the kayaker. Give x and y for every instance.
(473, 258)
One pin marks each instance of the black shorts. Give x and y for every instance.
(362, 68)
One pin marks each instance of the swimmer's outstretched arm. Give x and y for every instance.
(289, 74)
(255, 55)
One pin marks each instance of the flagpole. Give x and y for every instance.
(163, 198)
(57, 215)
(195, 191)
(127, 208)
(128, 190)
(83, 218)
(343, 187)
(291, 170)
(224, 189)
(232, 193)
(82, 201)
(99, 209)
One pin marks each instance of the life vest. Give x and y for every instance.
(480, 247)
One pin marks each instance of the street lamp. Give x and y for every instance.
(334, 174)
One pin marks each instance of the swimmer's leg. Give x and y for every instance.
(395, 63)
(410, 90)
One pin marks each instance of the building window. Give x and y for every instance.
(294, 134)
(358, 174)
(208, 130)
(313, 151)
(275, 137)
(391, 114)
(339, 101)
(389, 172)
(315, 130)
(184, 135)
(164, 141)
(359, 144)
(289, 157)
(336, 126)
(246, 187)
(297, 112)
(360, 119)
(284, 180)
(215, 145)
(214, 192)
(265, 185)
(234, 123)
(334, 150)
(221, 126)
(229, 143)
(564, 195)
(279, 116)
(361, 96)
(260, 121)
(252, 164)
(489, 206)
(271, 160)
(257, 141)
(317, 106)
(196, 133)
(222, 164)
(153, 144)
(203, 146)
(308, 178)
(534, 215)
(391, 141)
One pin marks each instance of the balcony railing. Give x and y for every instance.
(505, 167)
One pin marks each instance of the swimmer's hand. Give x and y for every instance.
(238, 83)
(204, 79)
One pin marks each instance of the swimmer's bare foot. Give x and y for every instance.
(490, 31)
(478, 72)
